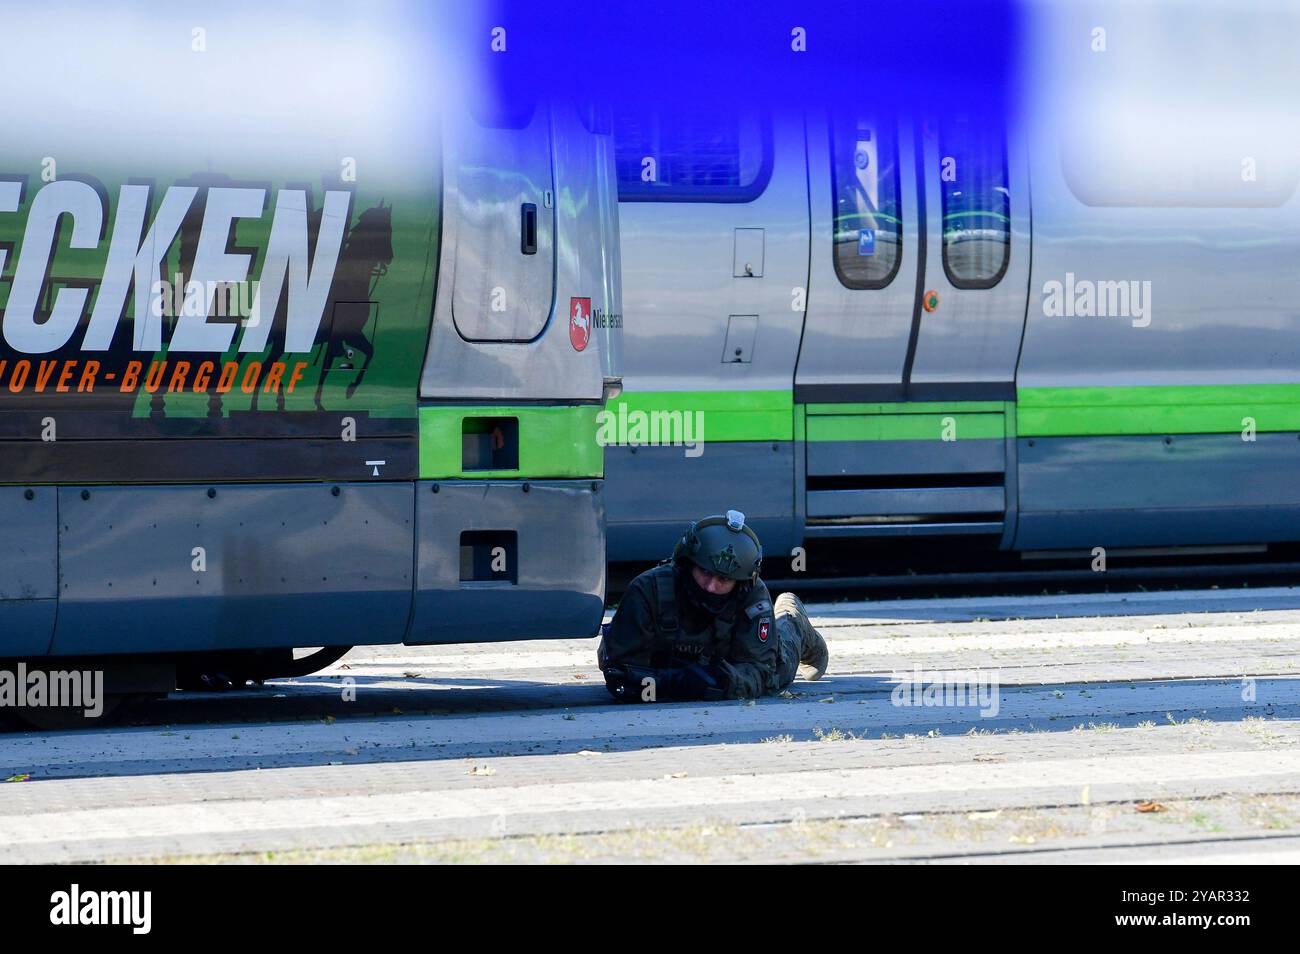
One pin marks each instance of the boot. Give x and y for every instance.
(813, 654)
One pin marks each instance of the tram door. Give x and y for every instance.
(976, 264)
(502, 184)
(913, 329)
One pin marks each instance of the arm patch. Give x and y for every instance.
(755, 610)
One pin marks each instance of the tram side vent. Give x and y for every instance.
(489, 443)
(489, 556)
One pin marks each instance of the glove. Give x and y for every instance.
(629, 683)
(640, 684)
(696, 681)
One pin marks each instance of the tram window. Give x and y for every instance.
(691, 157)
(976, 205)
(868, 227)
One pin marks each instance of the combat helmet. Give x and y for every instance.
(723, 545)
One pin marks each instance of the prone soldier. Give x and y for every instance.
(702, 624)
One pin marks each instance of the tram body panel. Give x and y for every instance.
(261, 567)
(28, 569)
(229, 352)
(1042, 424)
(549, 580)
(1159, 383)
(715, 291)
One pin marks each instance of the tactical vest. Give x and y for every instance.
(668, 624)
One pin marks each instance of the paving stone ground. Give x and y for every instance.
(1183, 705)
